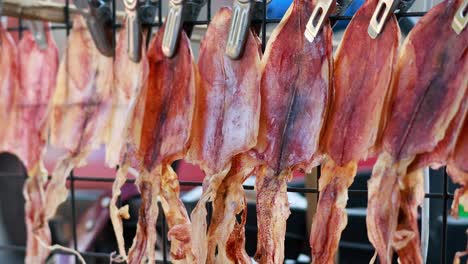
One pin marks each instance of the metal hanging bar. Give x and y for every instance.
(41, 10)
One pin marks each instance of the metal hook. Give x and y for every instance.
(321, 12)
(99, 22)
(178, 11)
(460, 19)
(243, 11)
(38, 31)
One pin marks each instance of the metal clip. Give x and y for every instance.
(240, 22)
(138, 13)
(460, 19)
(321, 12)
(382, 12)
(178, 11)
(38, 32)
(243, 12)
(134, 36)
(99, 22)
(173, 26)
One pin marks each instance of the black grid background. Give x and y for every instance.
(445, 196)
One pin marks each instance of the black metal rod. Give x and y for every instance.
(208, 11)
(264, 24)
(443, 252)
(73, 208)
(72, 180)
(160, 20)
(430, 195)
(114, 26)
(164, 237)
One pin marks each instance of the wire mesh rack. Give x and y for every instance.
(444, 195)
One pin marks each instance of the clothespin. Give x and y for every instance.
(179, 10)
(99, 22)
(243, 12)
(138, 13)
(321, 12)
(460, 19)
(383, 11)
(38, 32)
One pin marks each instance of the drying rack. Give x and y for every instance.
(445, 196)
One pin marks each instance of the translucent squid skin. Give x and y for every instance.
(127, 101)
(9, 83)
(29, 130)
(427, 108)
(160, 135)
(362, 73)
(225, 126)
(296, 92)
